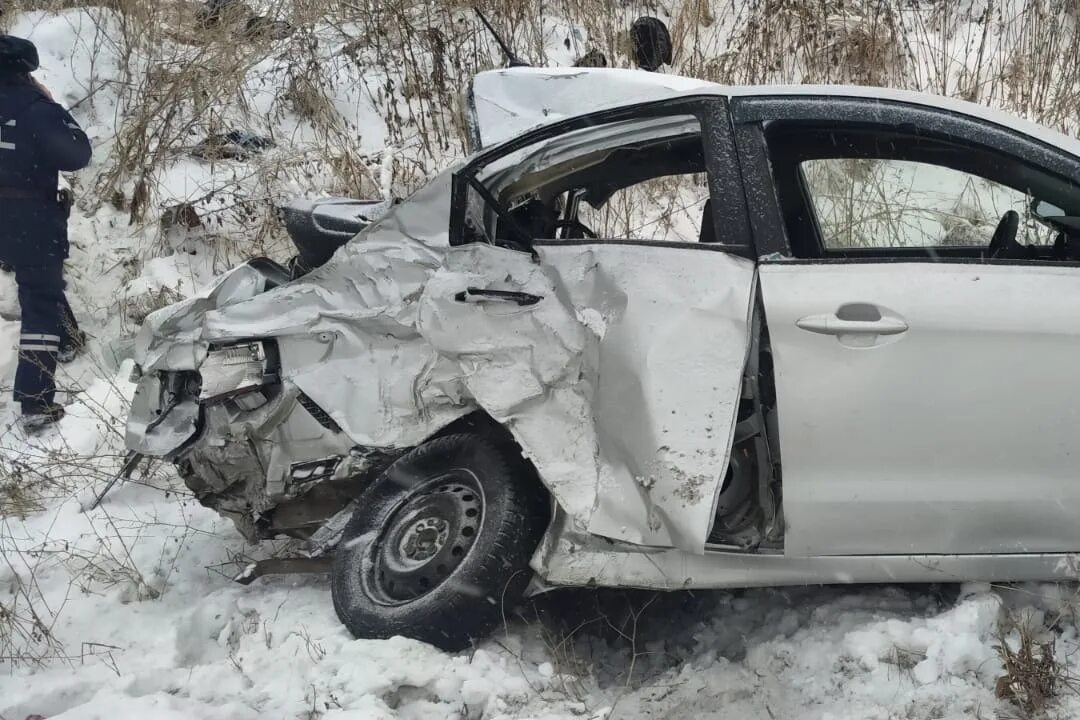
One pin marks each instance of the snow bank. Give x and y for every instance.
(207, 649)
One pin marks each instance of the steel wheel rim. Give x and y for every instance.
(425, 539)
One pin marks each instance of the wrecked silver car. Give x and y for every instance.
(701, 337)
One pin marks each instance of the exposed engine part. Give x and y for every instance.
(239, 466)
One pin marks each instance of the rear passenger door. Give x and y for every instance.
(925, 363)
(635, 332)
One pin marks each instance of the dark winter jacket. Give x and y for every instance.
(38, 138)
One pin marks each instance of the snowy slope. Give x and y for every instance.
(127, 611)
(190, 644)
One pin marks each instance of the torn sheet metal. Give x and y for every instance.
(173, 339)
(170, 432)
(672, 325)
(347, 335)
(526, 365)
(177, 337)
(621, 383)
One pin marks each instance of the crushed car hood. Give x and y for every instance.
(177, 337)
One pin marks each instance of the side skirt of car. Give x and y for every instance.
(573, 560)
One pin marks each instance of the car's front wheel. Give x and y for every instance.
(439, 547)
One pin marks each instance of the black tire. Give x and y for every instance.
(439, 547)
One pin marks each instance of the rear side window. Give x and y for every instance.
(870, 203)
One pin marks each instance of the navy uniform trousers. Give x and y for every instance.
(47, 323)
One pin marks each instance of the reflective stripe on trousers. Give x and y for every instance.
(41, 298)
(39, 342)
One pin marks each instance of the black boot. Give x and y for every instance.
(36, 417)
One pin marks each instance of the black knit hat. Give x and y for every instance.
(17, 55)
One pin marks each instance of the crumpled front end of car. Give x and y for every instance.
(244, 440)
(247, 439)
(177, 368)
(276, 399)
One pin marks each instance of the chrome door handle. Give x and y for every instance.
(832, 325)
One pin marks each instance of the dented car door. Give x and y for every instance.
(671, 325)
(616, 362)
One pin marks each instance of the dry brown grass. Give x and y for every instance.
(1033, 674)
(32, 480)
(181, 84)
(829, 41)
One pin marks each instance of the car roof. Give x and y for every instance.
(507, 102)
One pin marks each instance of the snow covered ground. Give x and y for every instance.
(128, 611)
(146, 624)
(149, 627)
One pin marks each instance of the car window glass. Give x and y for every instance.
(871, 203)
(642, 179)
(668, 209)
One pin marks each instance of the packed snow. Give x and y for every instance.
(128, 611)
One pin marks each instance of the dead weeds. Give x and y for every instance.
(1034, 674)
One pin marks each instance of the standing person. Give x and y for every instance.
(38, 139)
